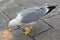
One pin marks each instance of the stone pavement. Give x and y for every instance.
(46, 29)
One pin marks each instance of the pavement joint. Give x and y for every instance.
(31, 37)
(43, 32)
(6, 14)
(47, 24)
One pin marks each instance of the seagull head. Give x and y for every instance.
(14, 23)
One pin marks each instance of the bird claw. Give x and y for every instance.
(27, 30)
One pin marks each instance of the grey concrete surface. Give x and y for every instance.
(2, 2)
(12, 7)
(3, 21)
(54, 21)
(49, 35)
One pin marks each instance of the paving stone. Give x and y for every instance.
(18, 35)
(3, 21)
(39, 27)
(11, 9)
(49, 35)
(3, 2)
(54, 21)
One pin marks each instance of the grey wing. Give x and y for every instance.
(31, 15)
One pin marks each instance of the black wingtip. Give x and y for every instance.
(51, 8)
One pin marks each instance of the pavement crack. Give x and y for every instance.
(47, 24)
(31, 37)
(42, 32)
(6, 15)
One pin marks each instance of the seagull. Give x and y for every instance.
(29, 17)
